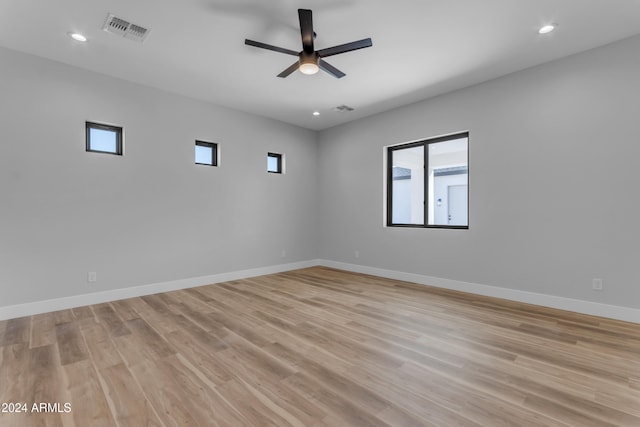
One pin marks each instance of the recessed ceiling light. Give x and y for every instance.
(546, 29)
(77, 37)
(316, 113)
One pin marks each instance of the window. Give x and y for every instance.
(274, 163)
(427, 183)
(104, 138)
(206, 153)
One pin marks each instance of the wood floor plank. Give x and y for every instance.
(559, 355)
(102, 350)
(14, 381)
(197, 320)
(340, 384)
(110, 319)
(124, 398)
(484, 402)
(164, 394)
(195, 403)
(348, 346)
(199, 354)
(286, 400)
(80, 313)
(3, 326)
(63, 316)
(366, 390)
(241, 326)
(89, 404)
(225, 407)
(150, 338)
(627, 402)
(43, 330)
(142, 345)
(162, 324)
(17, 331)
(70, 343)
(45, 385)
(269, 380)
(124, 309)
(255, 359)
(321, 347)
(399, 418)
(255, 407)
(562, 379)
(192, 299)
(332, 402)
(560, 412)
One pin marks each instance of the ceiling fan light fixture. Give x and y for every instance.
(309, 68)
(308, 65)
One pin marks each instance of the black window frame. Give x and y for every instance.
(279, 158)
(101, 126)
(424, 143)
(214, 152)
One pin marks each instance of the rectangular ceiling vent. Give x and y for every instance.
(343, 108)
(125, 29)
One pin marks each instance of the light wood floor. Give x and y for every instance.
(320, 347)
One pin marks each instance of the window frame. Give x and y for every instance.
(389, 180)
(214, 152)
(102, 126)
(279, 158)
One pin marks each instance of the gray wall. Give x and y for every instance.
(554, 177)
(152, 215)
(553, 184)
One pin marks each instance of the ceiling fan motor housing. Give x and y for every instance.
(308, 58)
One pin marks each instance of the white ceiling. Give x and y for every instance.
(421, 48)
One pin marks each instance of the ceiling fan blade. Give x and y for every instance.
(347, 47)
(325, 66)
(306, 29)
(289, 70)
(270, 47)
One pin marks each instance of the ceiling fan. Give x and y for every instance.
(310, 60)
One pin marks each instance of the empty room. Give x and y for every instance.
(319, 213)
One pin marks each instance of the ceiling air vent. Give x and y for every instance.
(125, 29)
(343, 108)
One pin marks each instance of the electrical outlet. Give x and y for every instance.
(596, 284)
(357, 254)
(92, 276)
(283, 254)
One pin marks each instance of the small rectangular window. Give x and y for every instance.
(103, 138)
(427, 183)
(206, 153)
(274, 163)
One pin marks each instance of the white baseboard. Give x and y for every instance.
(626, 314)
(37, 307)
(579, 306)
